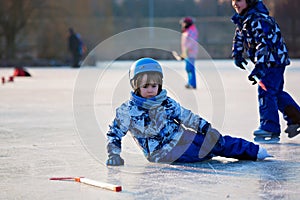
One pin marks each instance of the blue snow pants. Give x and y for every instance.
(190, 69)
(191, 145)
(273, 100)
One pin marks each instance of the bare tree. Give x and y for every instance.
(14, 16)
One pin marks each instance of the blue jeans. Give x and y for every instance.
(191, 143)
(273, 100)
(190, 69)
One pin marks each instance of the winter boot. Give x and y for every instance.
(294, 114)
(263, 136)
(262, 154)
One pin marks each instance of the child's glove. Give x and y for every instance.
(239, 61)
(258, 71)
(114, 160)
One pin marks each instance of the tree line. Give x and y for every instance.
(25, 24)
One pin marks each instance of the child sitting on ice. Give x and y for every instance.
(166, 131)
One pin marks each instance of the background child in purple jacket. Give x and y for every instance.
(189, 49)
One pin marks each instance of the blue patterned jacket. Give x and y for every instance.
(261, 36)
(156, 124)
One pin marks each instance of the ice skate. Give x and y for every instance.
(292, 130)
(262, 136)
(294, 114)
(188, 86)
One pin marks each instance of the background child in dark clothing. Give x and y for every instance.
(260, 36)
(75, 47)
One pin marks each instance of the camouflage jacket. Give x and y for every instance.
(156, 124)
(261, 36)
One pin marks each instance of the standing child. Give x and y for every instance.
(260, 35)
(166, 131)
(189, 49)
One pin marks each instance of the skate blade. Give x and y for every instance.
(266, 140)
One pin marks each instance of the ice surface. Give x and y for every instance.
(53, 124)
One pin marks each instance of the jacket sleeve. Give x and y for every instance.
(184, 48)
(190, 120)
(238, 43)
(117, 130)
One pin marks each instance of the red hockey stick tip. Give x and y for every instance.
(262, 85)
(118, 188)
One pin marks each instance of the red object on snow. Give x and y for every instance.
(20, 71)
(11, 79)
(3, 80)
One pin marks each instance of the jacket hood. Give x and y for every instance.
(259, 7)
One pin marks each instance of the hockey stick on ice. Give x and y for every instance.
(108, 186)
(64, 178)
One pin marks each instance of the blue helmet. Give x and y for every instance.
(144, 65)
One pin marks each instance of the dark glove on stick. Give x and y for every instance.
(252, 79)
(114, 160)
(258, 71)
(239, 61)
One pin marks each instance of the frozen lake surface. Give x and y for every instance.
(53, 124)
